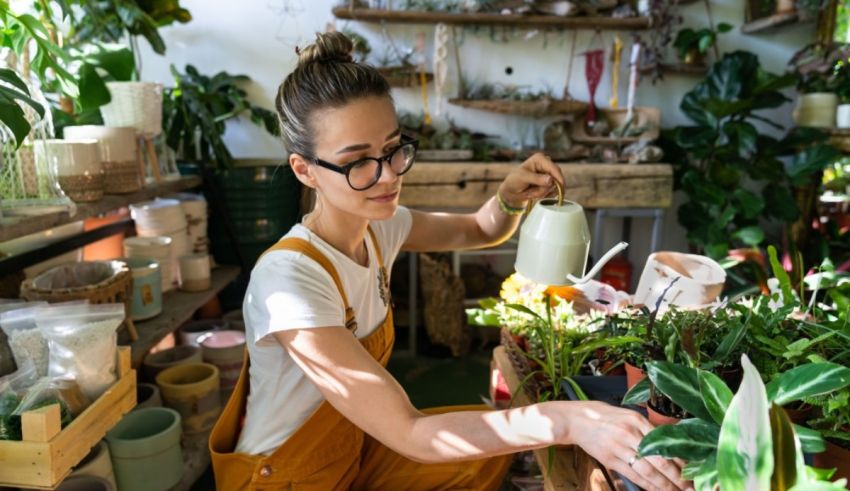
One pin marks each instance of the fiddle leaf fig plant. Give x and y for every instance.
(740, 442)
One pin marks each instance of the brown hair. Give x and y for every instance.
(326, 77)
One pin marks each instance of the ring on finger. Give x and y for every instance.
(633, 460)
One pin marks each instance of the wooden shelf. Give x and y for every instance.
(771, 23)
(14, 227)
(196, 459)
(491, 19)
(678, 69)
(533, 109)
(177, 308)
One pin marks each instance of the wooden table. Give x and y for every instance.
(572, 469)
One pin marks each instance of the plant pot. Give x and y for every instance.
(842, 116)
(609, 389)
(155, 363)
(658, 419)
(193, 391)
(608, 371)
(97, 463)
(235, 319)
(193, 333)
(817, 109)
(799, 415)
(225, 350)
(86, 483)
(134, 104)
(145, 448)
(147, 395)
(835, 457)
(694, 58)
(633, 375)
(147, 287)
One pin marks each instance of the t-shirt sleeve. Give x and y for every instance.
(290, 291)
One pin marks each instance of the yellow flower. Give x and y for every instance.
(514, 287)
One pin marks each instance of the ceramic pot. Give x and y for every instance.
(225, 350)
(77, 165)
(658, 419)
(147, 287)
(799, 415)
(817, 110)
(195, 272)
(118, 153)
(145, 448)
(86, 483)
(836, 457)
(193, 333)
(97, 463)
(235, 319)
(155, 363)
(842, 116)
(147, 395)
(134, 104)
(633, 375)
(698, 281)
(193, 391)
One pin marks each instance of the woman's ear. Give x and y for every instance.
(302, 169)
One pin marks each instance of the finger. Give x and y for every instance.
(626, 471)
(658, 479)
(669, 469)
(541, 163)
(537, 179)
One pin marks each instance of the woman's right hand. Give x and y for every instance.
(611, 435)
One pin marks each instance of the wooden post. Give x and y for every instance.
(153, 158)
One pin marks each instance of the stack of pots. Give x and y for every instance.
(193, 391)
(195, 208)
(118, 155)
(194, 332)
(153, 248)
(147, 395)
(77, 165)
(164, 218)
(155, 363)
(145, 448)
(225, 350)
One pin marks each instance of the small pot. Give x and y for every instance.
(226, 350)
(817, 109)
(193, 391)
(842, 116)
(836, 457)
(633, 375)
(658, 419)
(799, 415)
(617, 371)
(86, 483)
(145, 448)
(147, 395)
(193, 333)
(155, 363)
(97, 463)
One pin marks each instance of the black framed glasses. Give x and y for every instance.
(366, 172)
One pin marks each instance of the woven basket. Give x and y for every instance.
(403, 75)
(135, 104)
(443, 292)
(533, 385)
(543, 107)
(95, 281)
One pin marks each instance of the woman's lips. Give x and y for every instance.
(385, 198)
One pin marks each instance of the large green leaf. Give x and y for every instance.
(810, 161)
(784, 450)
(809, 380)
(749, 203)
(744, 453)
(743, 133)
(716, 395)
(638, 394)
(751, 236)
(680, 384)
(691, 439)
(780, 274)
(811, 440)
(93, 91)
(13, 117)
(116, 59)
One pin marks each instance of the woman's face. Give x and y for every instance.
(365, 127)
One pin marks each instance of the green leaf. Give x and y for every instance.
(93, 91)
(691, 439)
(724, 27)
(744, 453)
(749, 203)
(810, 161)
(744, 134)
(13, 117)
(751, 236)
(809, 380)
(780, 274)
(638, 394)
(525, 310)
(780, 204)
(11, 77)
(811, 440)
(115, 59)
(715, 393)
(680, 384)
(784, 449)
(481, 317)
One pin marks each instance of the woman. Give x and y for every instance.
(322, 412)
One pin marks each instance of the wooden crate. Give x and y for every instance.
(47, 453)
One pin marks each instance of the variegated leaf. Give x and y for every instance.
(808, 380)
(715, 393)
(680, 384)
(691, 439)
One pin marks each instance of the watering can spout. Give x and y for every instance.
(599, 264)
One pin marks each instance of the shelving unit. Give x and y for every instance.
(771, 23)
(492, 19)
(177, 308)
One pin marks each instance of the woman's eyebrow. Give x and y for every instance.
(365, 146)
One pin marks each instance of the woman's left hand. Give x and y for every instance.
(533, 179)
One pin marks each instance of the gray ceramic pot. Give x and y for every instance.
(145, 449)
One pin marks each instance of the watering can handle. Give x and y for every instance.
(607, 257)
(560, 198)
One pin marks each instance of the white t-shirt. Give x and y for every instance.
(291, 291)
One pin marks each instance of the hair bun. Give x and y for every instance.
(329, 47)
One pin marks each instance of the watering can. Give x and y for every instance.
(554, 242)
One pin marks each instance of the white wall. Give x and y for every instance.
(258, 37)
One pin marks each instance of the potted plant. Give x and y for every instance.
(819, 70)
(745, 440)
(841, 74)
(693, 44)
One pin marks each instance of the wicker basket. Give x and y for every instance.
(648, 117)
(135, 104)
(403, 75)
(532, 385)
(543, 107)
(443, 292)
(95, 281)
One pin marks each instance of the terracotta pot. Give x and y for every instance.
(658, 419)
(633, 375)
(835, 457)
(617, 371)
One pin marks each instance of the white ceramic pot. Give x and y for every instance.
(135, 104)
(77, 165)
(816, 110)
(842, 116)
(696, 281)
(195, 272)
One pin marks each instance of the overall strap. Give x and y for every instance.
(304, 247)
